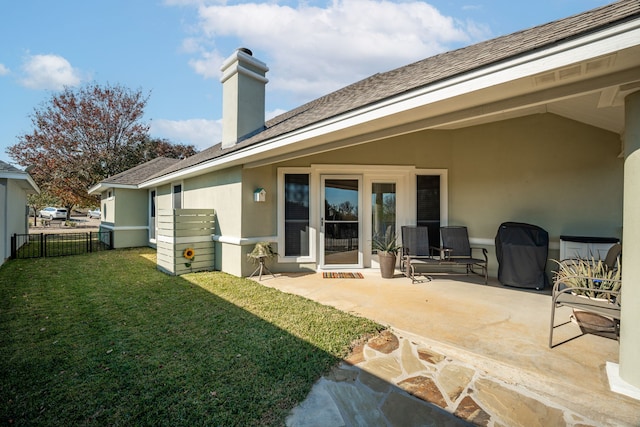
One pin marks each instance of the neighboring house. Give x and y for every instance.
(541, 126)
(130, 217)
(15, 186)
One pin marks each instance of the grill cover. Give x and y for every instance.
(522, 251)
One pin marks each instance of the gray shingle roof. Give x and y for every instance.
(6, 167)
(141, 173)
(428, 71)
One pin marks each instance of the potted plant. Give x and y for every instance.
(591, 278)
(595, 280)
(387, 248)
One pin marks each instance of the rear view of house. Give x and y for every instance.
(541, 126)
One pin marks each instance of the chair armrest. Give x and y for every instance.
(559, 287)
(440, 252)
(484, 252)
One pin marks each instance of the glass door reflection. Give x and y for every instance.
(341, 222)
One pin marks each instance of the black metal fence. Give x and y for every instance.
(61, 244)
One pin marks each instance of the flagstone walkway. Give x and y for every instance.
(396, 380)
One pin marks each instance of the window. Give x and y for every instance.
(296, 215)
(383, 209)
(152, 214)
(177, 196)
(428, 205)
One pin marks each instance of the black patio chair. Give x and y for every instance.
(415, 252)
(457, 250)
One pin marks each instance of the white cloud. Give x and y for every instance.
(313, 50)
(208, 65)
(202, 133)
(49, 72)
(274, 113)
(4, 70)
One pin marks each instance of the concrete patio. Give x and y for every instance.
(501, 333)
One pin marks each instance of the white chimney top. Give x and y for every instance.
(243, 96)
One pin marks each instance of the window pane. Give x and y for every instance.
(153, 223)
(296, 215)
(383, 209)
(428, 203)
(177, 196)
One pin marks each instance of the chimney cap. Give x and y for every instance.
(245, 50)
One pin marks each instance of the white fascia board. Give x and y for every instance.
(22, 176)
(590, 46)
(100, 187)
(33, 184)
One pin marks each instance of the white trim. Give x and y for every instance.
(123, 227)
(403, 212)
(618, 385)
(239, 69)
(404, 176)
(589, 46)
(280, 216)
(21, 176)
(173, 185)
(102, 187)
(242, 241)
(322, 264)
(150, 220)
(235, 58)
(178, 240)
(487, 241)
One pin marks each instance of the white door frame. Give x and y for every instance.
(322, 262)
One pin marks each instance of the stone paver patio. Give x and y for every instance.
(455, 346)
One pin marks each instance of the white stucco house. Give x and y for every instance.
(15, 186)
(541, 126)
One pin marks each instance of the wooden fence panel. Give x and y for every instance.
(182, 229)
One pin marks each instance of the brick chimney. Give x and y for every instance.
(243, 101)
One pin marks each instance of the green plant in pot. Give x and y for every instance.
(386, 245)
(590, 277)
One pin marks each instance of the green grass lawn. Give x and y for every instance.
(106, 339)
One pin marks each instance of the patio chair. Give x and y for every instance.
(604, 304)
(607, 305)
(415, 251)
(457, 250)
(613, 259)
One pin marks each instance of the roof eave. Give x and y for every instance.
(102, 186)
(30, 185)
(605, 41)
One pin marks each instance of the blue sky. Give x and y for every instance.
(173, 49)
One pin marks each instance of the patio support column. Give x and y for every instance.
(630, 314)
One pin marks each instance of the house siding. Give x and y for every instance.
(553, 172)
(221, 191)
(127, 214)
(559, 174)
(12, 214)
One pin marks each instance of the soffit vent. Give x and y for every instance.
(575, 71)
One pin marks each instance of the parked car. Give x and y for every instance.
(95, 213)
(53, 213)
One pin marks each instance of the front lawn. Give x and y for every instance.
(106, 339)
